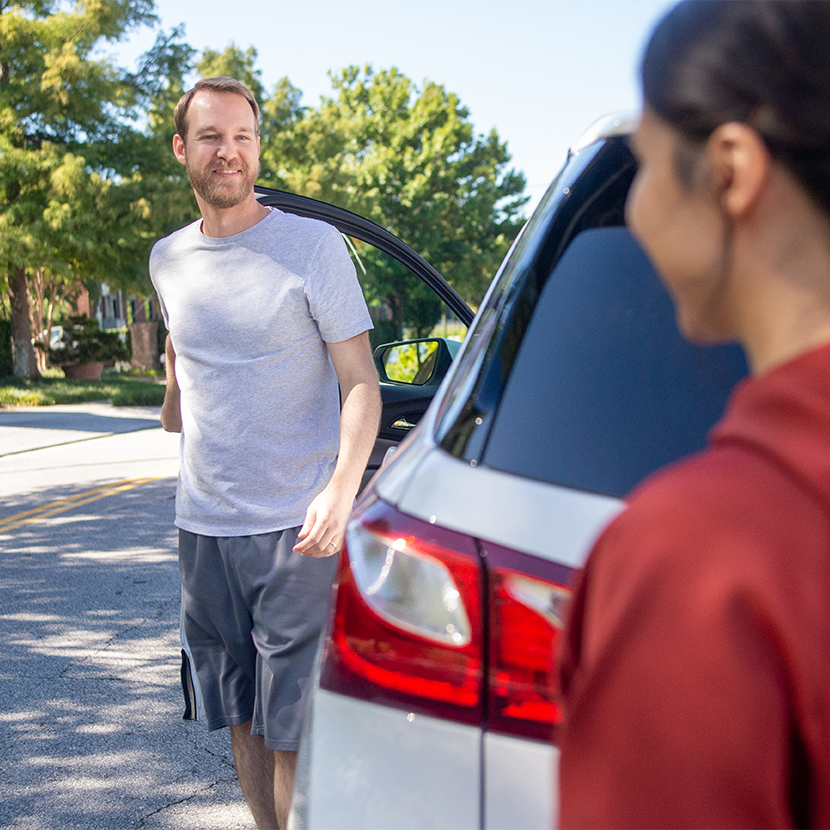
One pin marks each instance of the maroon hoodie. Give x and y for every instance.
(696, 662)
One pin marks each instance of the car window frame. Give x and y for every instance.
(358, 227)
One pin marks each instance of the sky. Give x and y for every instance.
(538, 71)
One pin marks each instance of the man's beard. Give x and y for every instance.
(219, 192)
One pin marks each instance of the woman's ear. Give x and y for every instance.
(740, 164)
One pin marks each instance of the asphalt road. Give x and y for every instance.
(91, 734)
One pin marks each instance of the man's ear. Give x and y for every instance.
(740, 164)
(178, 148)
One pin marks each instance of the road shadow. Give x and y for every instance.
(90, 730)
(78, 421)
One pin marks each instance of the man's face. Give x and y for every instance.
(221, 150)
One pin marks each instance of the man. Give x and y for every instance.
(268, 333)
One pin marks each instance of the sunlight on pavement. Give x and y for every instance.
(80, 499)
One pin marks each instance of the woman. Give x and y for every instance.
(696, 662)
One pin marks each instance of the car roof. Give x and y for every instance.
(608, 126)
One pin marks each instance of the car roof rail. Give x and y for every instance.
(609, 126)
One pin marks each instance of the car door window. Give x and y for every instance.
(401, 304)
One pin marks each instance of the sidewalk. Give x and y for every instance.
(34, 427)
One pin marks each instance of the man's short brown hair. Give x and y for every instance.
(221, 83)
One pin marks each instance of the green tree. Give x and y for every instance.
(71, 151)
(234, 63)
(281, 112)
(153, 196)
(409, 159)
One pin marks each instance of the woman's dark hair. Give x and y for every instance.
(764, 63)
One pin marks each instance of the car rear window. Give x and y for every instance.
(604, 389)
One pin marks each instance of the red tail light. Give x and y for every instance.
(407, 626)
(526, 620)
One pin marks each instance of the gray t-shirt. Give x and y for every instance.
(249, 317)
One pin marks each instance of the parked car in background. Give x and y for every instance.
(435, 700)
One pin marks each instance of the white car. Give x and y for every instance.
(435, 700)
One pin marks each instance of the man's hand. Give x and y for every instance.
(325, 524)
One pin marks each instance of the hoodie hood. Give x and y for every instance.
(785, 414)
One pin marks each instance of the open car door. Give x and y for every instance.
(419, 318)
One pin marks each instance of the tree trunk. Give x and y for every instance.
(24, 359)
(37, 294)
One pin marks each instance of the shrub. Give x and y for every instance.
(85, 342)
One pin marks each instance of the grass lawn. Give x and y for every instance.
(120, 388)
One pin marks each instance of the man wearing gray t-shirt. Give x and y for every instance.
(270, 381)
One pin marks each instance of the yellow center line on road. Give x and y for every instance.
(56, 507)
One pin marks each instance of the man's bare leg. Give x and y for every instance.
(266, 777)
(255, 770)
(285, 765)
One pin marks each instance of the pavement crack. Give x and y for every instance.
(197, 794)
(79, 440)
(198, 747)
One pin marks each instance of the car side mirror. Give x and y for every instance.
(415, 362)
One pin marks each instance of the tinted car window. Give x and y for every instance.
(604, 389)
(589, 193)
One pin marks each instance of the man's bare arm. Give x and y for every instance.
(326, 518)
(171, 414)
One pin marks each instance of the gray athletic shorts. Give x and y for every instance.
(252, 614)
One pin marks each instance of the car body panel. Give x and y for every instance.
(548, 521)
(358, 778)
(493, 506)
(518, 781)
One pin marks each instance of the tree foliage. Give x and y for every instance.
(235, 63)
(409, 159)
(88, 180)
(70, 155)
